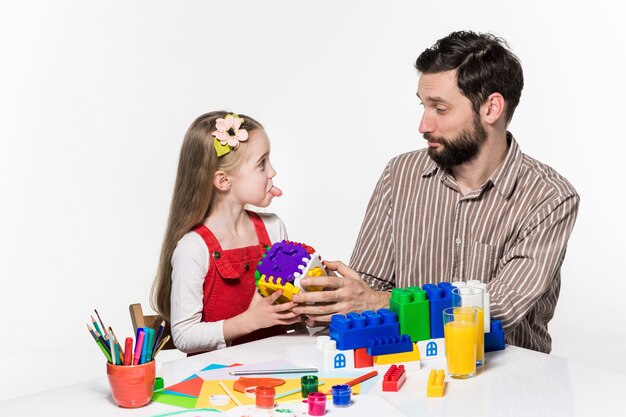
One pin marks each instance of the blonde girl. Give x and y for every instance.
(205, 284)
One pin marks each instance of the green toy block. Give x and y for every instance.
(411, 306)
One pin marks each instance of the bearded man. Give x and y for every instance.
(471, 206)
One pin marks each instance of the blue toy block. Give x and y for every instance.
(354, 330)
(389, 345)
(440, 298)
(494, 340)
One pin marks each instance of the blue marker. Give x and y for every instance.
(150, 344)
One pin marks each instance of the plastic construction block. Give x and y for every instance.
(268, 285)
(413, 310)
(354, 330)
(283, 265)
(329, 358)
(362, 359)
(413, 356)
(436, 384)
(389, 345)
(394, 378)
(432, 349)
(494, 340)
(440, 298)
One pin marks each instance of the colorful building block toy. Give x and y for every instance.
(413, 312)
(354, 330)
(440, 298)
(432, 349)
(388, 345)
(412, 356)
(494, 340)
(329, 358)
(394, 378)
(362, 359)
(436, 384)
(282, 267)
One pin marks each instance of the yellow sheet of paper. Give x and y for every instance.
(211, 387)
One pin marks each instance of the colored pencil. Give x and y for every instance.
(93, 334)
(163, 343)
(358, 380)
(117, 345)
(99, 337)
(159, 336)
(230, 394)
(275, 371)
(96, 338)
(104, 350)
(101, 323)
(113, 349)
(362, 378)
(95, 325)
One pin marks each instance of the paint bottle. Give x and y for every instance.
(309, 385)
(342, 395)
(317, 404)
(265, 397)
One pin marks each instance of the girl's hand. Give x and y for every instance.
(262, 312)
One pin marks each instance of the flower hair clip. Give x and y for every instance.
(228, 134)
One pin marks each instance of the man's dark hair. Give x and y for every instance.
(483, 64)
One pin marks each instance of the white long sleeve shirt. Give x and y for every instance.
(190, 264)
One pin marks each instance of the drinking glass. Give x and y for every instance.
(459, 327)
(473, 297)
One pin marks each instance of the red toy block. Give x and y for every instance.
(394, 378)
(362, 359)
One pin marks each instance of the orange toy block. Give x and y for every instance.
(436, 385)
(362, 359)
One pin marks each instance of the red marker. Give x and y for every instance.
(128, 351)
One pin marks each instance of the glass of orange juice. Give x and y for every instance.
(473, 297)
(459, 328)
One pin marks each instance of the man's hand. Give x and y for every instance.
(341, 295)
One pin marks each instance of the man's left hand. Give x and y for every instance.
(341, 295)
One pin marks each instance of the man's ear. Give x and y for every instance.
(221, 180)
(493, 108)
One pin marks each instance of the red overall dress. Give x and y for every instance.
(230, 284)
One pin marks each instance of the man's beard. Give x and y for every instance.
(462, 149)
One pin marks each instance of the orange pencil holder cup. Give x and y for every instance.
(131, 386)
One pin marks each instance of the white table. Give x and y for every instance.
(515, 382)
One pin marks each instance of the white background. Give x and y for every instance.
(95, 98)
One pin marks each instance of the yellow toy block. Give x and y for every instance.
(393, 358)
(268, 287)
(436, 385)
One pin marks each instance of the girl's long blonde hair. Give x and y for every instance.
(193, 195)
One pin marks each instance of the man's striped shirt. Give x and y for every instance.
(510, 233)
